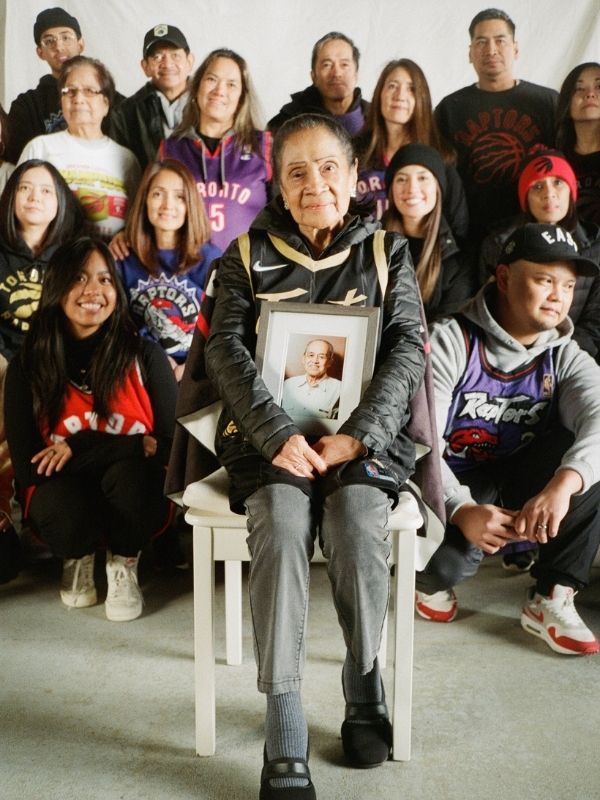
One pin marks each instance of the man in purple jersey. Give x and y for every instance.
(334, 75)
(518, 412)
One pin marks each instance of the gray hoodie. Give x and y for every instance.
(577, 385)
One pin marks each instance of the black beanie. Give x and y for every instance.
(54, 18)
(417, 154)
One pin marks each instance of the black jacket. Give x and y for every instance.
(380, 418)
(137, 123)
(309, 101)
(33, 113)
(456, 282)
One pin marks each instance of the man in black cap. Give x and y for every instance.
(151, 114)
(37, 111)
(518, 413)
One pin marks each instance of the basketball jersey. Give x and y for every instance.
(493, 413)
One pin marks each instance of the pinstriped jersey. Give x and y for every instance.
(495, 413)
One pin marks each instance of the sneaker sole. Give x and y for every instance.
(436, 616)
(516, 568)
(84, 600)
(122, 614)
(584, 648)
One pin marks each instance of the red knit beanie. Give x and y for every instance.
(546, 165)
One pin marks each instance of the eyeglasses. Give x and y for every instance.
(50, 42)
(73, 91)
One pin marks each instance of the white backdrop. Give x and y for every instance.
(276, 37)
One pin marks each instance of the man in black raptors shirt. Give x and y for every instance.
(493, 123)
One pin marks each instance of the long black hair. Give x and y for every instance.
(65, 225)
(566, 138)
(43, 350)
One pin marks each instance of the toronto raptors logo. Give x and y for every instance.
(497, 141)
(496, 158)
(167, 308)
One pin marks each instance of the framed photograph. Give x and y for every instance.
(317, 360)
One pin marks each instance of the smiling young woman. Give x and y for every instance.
(401, 113)
(170, 253)
(416, 184)
(89, 420)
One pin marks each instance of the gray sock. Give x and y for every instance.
(361, 688)
(286, 732)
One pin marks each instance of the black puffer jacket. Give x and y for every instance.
(345, 273)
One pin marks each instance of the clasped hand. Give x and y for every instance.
(298, 457)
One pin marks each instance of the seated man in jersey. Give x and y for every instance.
(315, 393)
(518, 409)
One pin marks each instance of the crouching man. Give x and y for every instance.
(518, 403)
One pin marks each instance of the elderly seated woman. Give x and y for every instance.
(288, 483)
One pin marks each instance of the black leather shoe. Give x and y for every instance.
(366, 734)
(286, 768)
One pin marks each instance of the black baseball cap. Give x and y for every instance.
(544, 244)
(162, 33)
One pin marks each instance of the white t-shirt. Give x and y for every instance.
(102, 175)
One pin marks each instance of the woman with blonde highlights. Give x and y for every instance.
(416, 183)
(219, 143)
(401, 113)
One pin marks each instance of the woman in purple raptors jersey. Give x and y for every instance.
(217, 140)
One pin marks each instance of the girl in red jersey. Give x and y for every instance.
(89, 417)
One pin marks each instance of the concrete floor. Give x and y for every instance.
(99, 710)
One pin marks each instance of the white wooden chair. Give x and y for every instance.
(220, 535)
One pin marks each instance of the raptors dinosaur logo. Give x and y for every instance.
(166, 307)
(474, 443)
(19, 299)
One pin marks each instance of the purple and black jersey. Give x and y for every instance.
(231, 181)
(495, 413)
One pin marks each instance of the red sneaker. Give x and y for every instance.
(555, 620)
(438, 607)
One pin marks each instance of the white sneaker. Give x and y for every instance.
(124, 599)
(77, 589)
(555, 620)
(437, 607)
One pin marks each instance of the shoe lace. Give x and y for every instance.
(124, 579)
(82, 573)
(564, 609)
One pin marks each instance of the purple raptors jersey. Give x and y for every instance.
(495, 413)
(232, 182)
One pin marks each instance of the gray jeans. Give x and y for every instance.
(353, 529)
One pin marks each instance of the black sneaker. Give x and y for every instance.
(521, 561)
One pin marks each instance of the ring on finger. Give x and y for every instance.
(542, 525)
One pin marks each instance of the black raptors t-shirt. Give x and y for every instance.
(492, 132)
